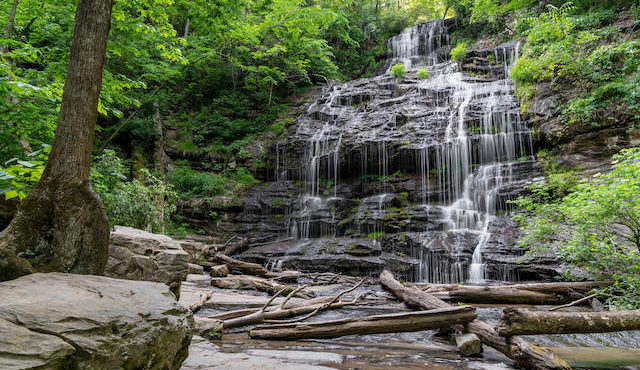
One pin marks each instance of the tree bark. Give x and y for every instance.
(157, 118)
(10, 24)
(392, 323)
(540, 293)
(63, 221)
(517, 322)
(522, 352)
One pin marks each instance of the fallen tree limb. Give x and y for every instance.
(248, 311)
(392, 323)
(540, 293)
(575, 303)
(246, 282)
(263, 315)
(516, 322)
(525, 354)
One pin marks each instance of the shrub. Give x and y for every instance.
(188, 182)
(600, 219)
(423, 73)
(143, 204)
(459, 52)
(398, 71)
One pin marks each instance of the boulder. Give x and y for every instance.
(52, 321)
(138, 255)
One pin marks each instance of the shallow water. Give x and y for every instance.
(417, 350)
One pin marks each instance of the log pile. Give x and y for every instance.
(525, 354)
(285, 318)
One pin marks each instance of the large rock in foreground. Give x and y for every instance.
(51, 321)
(139, 255)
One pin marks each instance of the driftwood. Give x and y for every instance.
(226, 315)
(392, 323)
(240, 246)
(264, 315)
(538, 293)
(525, 354)
(247, 282)
(244, 267)
(515, 322)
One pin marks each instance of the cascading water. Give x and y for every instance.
(461, 135)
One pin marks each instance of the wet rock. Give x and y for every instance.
(468, 344)
(91, 322)
(359, 257)
(138, 255)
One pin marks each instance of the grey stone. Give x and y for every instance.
(139, 255)
(91, 322)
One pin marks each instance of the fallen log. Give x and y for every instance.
(525, 354)
(246, 282)
(518, 322)
(244, 267)
(392, 323)
(238, 247)
(539, 293)
(557, 287)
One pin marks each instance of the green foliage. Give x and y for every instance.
(189, 183)
(459, 52)
(143, 204)
(398, 71)
(573, 46)
(423, 73)
(375, 235)
(600, 217)
(17, 177)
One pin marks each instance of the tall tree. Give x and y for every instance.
(62, 223)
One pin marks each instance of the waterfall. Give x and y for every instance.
(462, 136)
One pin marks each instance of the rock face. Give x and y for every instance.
(138, 255)
(53, 321)
(410, 174)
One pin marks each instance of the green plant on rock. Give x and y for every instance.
(423, 73)
(398, 71)
(459, 52)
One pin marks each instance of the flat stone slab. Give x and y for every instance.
(91, 322)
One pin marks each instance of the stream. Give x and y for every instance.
(416, 350)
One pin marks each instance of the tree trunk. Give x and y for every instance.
(10, 24)
(522, 352)
(540, 293)
(159, 162)
(244, 267)
(392, 323)
(517, 322)
(63, 221)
